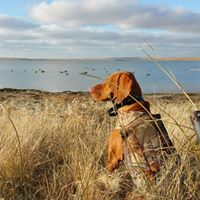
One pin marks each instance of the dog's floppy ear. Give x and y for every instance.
(125, 84)
(122, 84)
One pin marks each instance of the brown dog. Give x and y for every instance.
(140, 138)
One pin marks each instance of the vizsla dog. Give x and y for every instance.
(139, 139)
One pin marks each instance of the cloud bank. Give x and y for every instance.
(91, 28)
(128, 15)
(14, 23)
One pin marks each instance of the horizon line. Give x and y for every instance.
(105, 58)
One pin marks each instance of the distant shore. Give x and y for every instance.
(22, 91)
(178, 59)
(109, 58)
(29, 97)
(35, 102)
(16, 90)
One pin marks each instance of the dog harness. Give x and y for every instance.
(145, 143)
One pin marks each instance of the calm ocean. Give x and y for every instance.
(63, 75)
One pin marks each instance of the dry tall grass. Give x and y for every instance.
(63, 147)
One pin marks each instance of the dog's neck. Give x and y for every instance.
(133, 103)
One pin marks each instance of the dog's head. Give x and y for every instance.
(116, 87)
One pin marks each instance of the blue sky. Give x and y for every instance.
(93, 28)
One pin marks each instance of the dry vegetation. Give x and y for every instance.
(58, 150)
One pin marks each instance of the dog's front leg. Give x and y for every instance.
(115, 152)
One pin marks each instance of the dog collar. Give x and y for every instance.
(127, 101)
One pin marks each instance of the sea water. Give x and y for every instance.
(77, 75)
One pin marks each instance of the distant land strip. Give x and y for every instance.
(109, 58)
(177, 59)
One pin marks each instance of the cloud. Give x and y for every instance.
(91, 28)
(156, 17)
(9, 22)
(56, 41)
(85, 12)
(130, 15)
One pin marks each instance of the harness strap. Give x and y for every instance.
(125, 131)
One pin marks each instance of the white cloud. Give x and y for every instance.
(85, 12)
(126, 14)
(91, 28)
(56, 41)
(172, 19)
